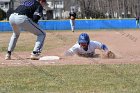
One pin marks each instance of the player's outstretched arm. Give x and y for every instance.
(68, 53)
(107, 53)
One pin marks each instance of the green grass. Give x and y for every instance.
(71, 79)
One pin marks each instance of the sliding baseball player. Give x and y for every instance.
(86, 47)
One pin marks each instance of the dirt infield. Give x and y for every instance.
(124, 43)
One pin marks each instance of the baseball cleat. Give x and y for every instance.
(7, 57)
(35, 56)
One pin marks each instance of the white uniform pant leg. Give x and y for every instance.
(32, 27)
(15, 35)
(72, 23)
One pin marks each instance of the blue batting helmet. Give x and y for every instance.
(84, 38)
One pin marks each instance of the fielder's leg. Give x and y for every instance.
(34, 28)
(14, 37)
(72, 22)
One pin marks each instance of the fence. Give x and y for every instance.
(80, 24)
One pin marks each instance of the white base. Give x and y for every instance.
(50, 58)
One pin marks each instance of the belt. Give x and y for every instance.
(18, 14)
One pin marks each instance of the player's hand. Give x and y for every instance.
(108, 54)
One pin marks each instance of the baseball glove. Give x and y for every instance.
(72, 18)
(110, 55)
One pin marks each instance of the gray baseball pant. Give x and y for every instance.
(22, 21)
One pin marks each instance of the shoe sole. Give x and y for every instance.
(7, 57)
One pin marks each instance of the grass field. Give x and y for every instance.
(89, 78)
(71, 79)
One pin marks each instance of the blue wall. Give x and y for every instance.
(80, 24)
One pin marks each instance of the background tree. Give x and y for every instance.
(109, 8)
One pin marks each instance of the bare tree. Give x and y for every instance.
(112, 8)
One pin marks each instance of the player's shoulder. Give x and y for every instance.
(76, 46)
(91, 41)
(94, 42)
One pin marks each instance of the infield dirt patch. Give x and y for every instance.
(124, 43)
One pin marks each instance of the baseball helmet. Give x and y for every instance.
(83, 38)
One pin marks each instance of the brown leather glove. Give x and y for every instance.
(110, 55)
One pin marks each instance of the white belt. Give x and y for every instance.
(15, 13)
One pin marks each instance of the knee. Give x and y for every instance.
(16, 35)
(43, 34)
